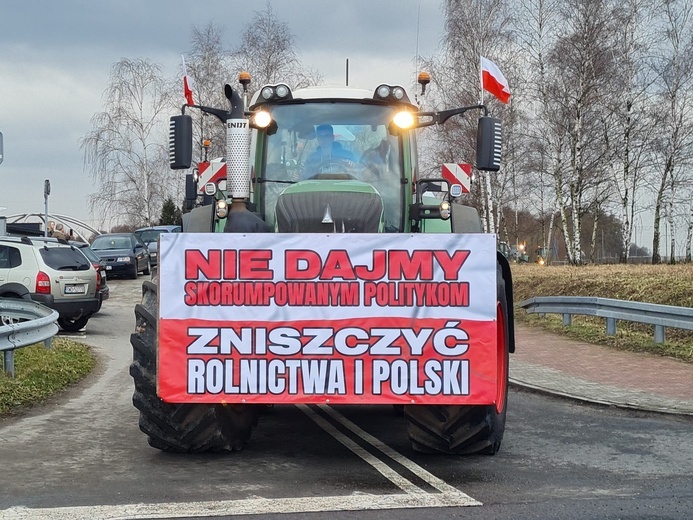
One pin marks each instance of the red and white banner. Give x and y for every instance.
(458, 173)
(493, 81)
(368, 318)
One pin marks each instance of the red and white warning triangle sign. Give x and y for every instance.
(458, 173)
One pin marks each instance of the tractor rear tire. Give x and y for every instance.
(466, 429)
(190, 428)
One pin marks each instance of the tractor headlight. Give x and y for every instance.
(262, 119)
(391, 93)
(282, 91)
(267, 92)
(383, 91)
(222, 209)
(404, 119)
(445, 210)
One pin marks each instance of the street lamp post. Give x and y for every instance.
(46, 192)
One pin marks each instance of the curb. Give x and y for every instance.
(581, 398)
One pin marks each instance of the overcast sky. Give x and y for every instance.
(56, 57)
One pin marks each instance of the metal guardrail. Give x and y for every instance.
(24, 323)
(661, 316)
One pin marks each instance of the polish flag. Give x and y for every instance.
(186, 86)
(493, 81)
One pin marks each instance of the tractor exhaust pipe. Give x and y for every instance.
(237, 149)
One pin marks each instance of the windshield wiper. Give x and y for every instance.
(282, 181)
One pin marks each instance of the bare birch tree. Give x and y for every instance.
(126, 149)
(209, 66)
(473, 28)
(269, 53)
(628, 129)
(537, 28)
(581, 63)
(672, 152)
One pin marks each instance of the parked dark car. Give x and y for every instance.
(100, 265)
(125, 254)
(150, 236)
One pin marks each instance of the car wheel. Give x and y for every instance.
(133, 274)
(9, 320)
(70, 325)
(147, 269)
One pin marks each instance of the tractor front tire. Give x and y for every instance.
(190, 428)
(467, 429)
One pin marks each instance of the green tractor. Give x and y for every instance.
(331, 161)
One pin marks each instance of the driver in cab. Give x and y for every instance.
(326, 158)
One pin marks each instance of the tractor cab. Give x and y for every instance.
(332, 162)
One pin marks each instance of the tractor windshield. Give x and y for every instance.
(342, 141)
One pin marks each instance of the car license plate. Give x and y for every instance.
(75, 289)
(109, 267)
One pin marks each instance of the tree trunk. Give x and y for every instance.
(593, 240)
(672, 235)
(577, 228)
(659, 201)
(689, 237)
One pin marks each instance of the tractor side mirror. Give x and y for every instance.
(180, 142)
(488, 144)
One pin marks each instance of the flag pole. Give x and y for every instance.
(481, 82)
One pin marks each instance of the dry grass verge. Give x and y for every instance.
(663, 284)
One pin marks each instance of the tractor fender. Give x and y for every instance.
(465, 219)
(507, 276)
(244, 221)
(199, 220)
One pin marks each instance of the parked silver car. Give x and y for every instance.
(52, 273)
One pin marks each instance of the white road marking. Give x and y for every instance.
(412, 466)
(251, 506)
(413, 496)
(385, 470)
(420, 472)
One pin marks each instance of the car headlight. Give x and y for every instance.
(123, 259)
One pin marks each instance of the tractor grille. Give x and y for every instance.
(329, 212)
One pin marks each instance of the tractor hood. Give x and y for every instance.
(329, 206)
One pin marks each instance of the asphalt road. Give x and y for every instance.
(83, 456)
